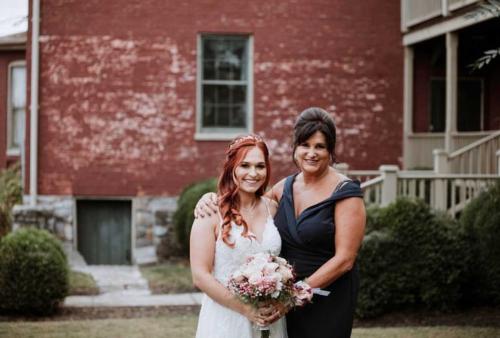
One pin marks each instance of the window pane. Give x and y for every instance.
(224, 106)
(18, 87)
(469, 105)
(17, 134)
(438, 105)
(224, 58)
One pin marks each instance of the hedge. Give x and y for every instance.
(183, 217)
(481, 222)
(10, 194)
(33, 272)
(411, 257)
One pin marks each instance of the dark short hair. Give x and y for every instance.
(309, 122)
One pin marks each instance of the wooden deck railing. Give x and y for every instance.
(447, 192)
(479, 157)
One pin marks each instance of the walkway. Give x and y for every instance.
(121, 286)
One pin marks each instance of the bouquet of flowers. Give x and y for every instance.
(264, 279)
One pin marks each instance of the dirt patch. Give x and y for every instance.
(78, 313)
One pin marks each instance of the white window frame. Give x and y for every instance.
(11, 150)
(208, 134)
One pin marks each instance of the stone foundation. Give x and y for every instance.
(151, 219)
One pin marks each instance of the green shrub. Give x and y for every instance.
(373, 218)
(33, 272)
(10, 194)
(183, 217)
(481, 221)
(415, 258)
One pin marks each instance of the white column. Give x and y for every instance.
(498, 162)
(408, 104)
(444, 8)
(404, 6)
(389, 184)
(441, 165)
(451, 89)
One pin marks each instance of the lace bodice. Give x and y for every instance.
(228, 259)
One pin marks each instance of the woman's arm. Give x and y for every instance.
(350, 219)
(202, 253)
(207, 204)
(276, 191)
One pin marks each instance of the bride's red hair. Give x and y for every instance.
(229, 201)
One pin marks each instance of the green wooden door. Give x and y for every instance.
(104, 231)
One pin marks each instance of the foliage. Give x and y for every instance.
(488, 7)
(411, 257)
(10, 194)
(485, 59)
(33, 272)
(183, 217)
(485, 8)
(81, 283)
(481, 221)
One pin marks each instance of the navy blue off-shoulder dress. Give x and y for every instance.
(308, 243)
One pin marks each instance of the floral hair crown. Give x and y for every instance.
(242, 139)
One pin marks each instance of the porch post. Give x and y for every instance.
(498, 162)
(439, 186)
(440, 161)
(444, 8)
(389, 184)
(451, 89)
(342, 168)
(408, 104)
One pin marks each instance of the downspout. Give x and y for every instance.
(35, 58)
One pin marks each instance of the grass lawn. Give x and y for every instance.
(81, 283)
(169, 277)
(184, 326)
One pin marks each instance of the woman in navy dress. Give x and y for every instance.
(321, 221)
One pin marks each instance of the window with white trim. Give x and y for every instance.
(16, 107)
(224, 85)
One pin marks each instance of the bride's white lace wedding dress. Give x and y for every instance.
(217, 321)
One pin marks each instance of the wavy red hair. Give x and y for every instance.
(229, 202)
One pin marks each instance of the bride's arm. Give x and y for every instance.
(202, 252)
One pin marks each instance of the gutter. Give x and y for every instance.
(35, 59)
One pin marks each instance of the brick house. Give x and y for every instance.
(138, 99)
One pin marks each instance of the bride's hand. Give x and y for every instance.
(254, 315)
(206, 206)
(277, 310)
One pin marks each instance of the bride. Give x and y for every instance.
(220, 243)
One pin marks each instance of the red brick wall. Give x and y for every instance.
(6, 57)
(118, 84)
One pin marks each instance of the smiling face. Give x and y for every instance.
(312, 155)
(250, 174)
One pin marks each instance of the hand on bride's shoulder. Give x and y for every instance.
(206, 205)
(205, 226)
(273, 205)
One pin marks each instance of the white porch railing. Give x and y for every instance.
(479, 157)
(447, 192)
